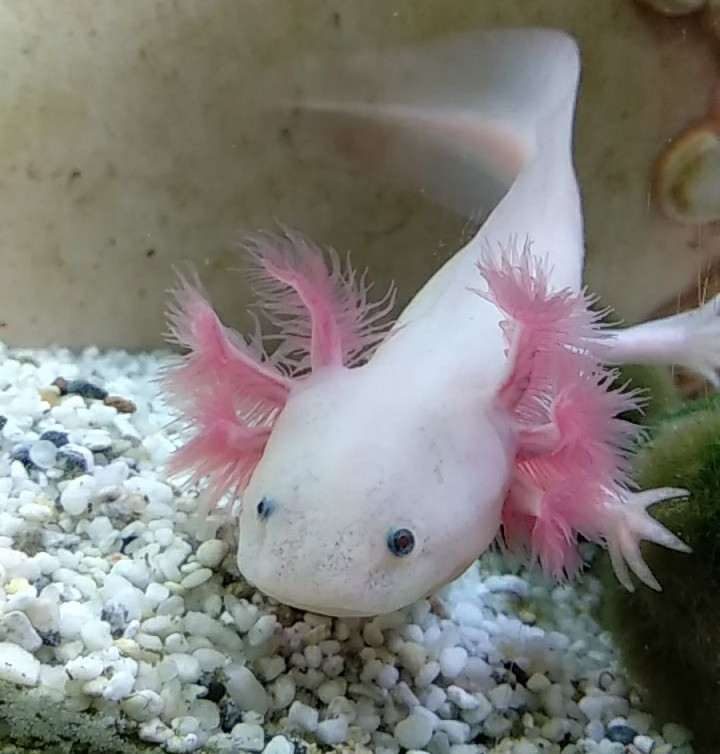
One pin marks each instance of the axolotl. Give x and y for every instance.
(374, 460)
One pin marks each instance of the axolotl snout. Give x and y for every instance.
(374, 462)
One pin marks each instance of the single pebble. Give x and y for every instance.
(303, 717)
(143, 705)
(43, 454)
(246, 691)
(414, 732)
(96, 634)
(17, 665)
(387, 677)
(51, 395)
(196, 578)
(427, 674)
(74, 458)
(538, 683)
(279, 745)
(85, 389)
(188, 667)
(644, 744)
(262, 630)
(452, 661)
(211, 553)
(18, 629)
(56, 437)
(84, 668)
(121, 405)
(206, 713)
(332, 689)
(176, 644)
(119, 686)
(332, 732)
(75, 498)
(248, 736)
(210, 659)
(462, 699)
(97, 440)
(675, 734)
(621, 733)
(501, 696)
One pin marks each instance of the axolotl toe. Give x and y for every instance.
(375, 459)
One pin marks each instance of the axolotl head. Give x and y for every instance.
(368, 477)
(366, 499)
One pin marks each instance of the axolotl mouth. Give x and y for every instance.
(312, 607)
(350, 612)
(377, 593)
(337, 612)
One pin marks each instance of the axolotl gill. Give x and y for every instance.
(374, 460)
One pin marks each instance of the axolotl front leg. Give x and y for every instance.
(689, 339)
(572, 471)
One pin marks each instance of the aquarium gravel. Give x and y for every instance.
(119, 597)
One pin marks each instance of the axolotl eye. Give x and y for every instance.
(400, 542)
(264, 508)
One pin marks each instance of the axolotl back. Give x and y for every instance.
(375, 461)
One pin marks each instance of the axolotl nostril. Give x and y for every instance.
(374, 462)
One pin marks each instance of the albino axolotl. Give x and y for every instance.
(374, 463)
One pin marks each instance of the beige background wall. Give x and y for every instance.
(129, 142)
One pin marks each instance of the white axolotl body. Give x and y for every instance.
(369, 483)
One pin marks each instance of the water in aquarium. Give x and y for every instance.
(358, 377)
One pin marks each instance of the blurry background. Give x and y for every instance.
(130, 142)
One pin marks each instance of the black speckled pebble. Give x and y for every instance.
(86, 389)
(622, 734)
(72, 460)
(50, 638)
(41, 582)
(230, 715)
(58, 439)
(116, 615)
(22, 455)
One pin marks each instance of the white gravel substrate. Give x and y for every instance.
(118, 595)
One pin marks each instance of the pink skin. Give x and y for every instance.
(485, 412)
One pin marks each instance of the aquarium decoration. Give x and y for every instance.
(670, 640)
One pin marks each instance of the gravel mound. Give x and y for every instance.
(120, 604)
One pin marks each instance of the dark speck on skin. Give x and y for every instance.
(150, 253)
(265, 508)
